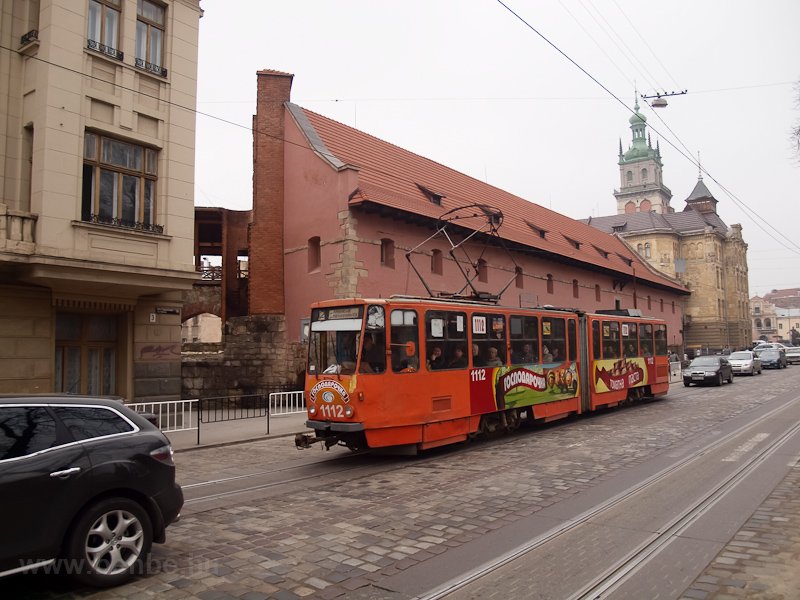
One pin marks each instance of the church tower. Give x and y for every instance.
(641, 186)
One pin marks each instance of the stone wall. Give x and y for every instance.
(253, 358)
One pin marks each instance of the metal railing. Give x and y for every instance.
(287, 403)
(183, 415)
(172, 415)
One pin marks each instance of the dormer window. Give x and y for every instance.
(537, 230)
(433, 197)
(574, 243)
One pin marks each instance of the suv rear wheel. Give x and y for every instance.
(109, 540)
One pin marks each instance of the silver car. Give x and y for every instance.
(793, 354)
(745, 361)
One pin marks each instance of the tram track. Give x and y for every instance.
(616, 575)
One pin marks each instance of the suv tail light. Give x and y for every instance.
(164, 454)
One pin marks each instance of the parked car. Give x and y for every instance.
(708, 369)
(793, 355)
(773, 358)
(768, 346)
(83, 481)
(746, 361)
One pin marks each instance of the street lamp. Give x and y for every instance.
(660, 100)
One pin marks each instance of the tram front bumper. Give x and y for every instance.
(326, 432)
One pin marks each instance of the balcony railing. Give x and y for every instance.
(150, 67)
(31, 36)
(103, 49)
(17, 230)
(117, 222)
(209, 273)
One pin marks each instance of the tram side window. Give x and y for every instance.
(646, 339)
(572, 332)
(524, 334)
(445, 340)
(488, 340)
(661, 340)
(373, 348)
(404, 341)
(596, 341)
(630, 340)
(611, 339)
(554, 340)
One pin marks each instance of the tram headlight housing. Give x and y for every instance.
(312, 410)
(349, 411)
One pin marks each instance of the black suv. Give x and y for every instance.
(86, 486)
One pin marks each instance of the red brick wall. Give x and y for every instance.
(266, 291)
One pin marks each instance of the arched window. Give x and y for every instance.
(644, 175)
(437, 265)
(314, 254)
(645, 206)
(519, 278)
(629, 176)
(630, 208)
(639, 248)
(767, 323)
(758, 323)
(647, 250)
(549, 283)
(387, 253)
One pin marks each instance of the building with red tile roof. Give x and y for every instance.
(336, 210)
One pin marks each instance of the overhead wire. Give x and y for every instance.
(644, 41)
(687, 155)
(629, 55)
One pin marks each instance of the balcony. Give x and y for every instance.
(150, 67)
(17, 229)
(121, 223)
(103, 49)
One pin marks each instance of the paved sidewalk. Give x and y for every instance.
(241, 430)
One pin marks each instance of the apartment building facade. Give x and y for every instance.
(97, 127)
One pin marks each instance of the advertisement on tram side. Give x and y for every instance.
(500, 388)
(624, 373)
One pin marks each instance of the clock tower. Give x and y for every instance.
(641, 186)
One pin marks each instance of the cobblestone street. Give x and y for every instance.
(343, 539)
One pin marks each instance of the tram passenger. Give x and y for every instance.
(547, 356)
(556, 355)
(459, 361)
(436, 360)
(373, 359)
(477, 359)
(494, 358)
(630, 351)
(524, 356)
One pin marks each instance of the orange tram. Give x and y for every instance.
(421, 372)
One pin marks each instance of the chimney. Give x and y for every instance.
(266, 278)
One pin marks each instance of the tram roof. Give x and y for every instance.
(467, 302)
(393, 179)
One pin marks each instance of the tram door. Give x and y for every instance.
(586, 364)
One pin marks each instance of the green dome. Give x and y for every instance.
(637, 117)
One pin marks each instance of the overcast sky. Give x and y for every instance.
(466, 83)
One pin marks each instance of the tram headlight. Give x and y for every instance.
(349, 411)
(312, 410)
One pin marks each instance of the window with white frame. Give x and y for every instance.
(103, 27)
(150, 35)
(119, 183)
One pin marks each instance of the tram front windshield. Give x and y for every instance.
(334, 340)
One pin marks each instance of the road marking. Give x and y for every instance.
(748, 446)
